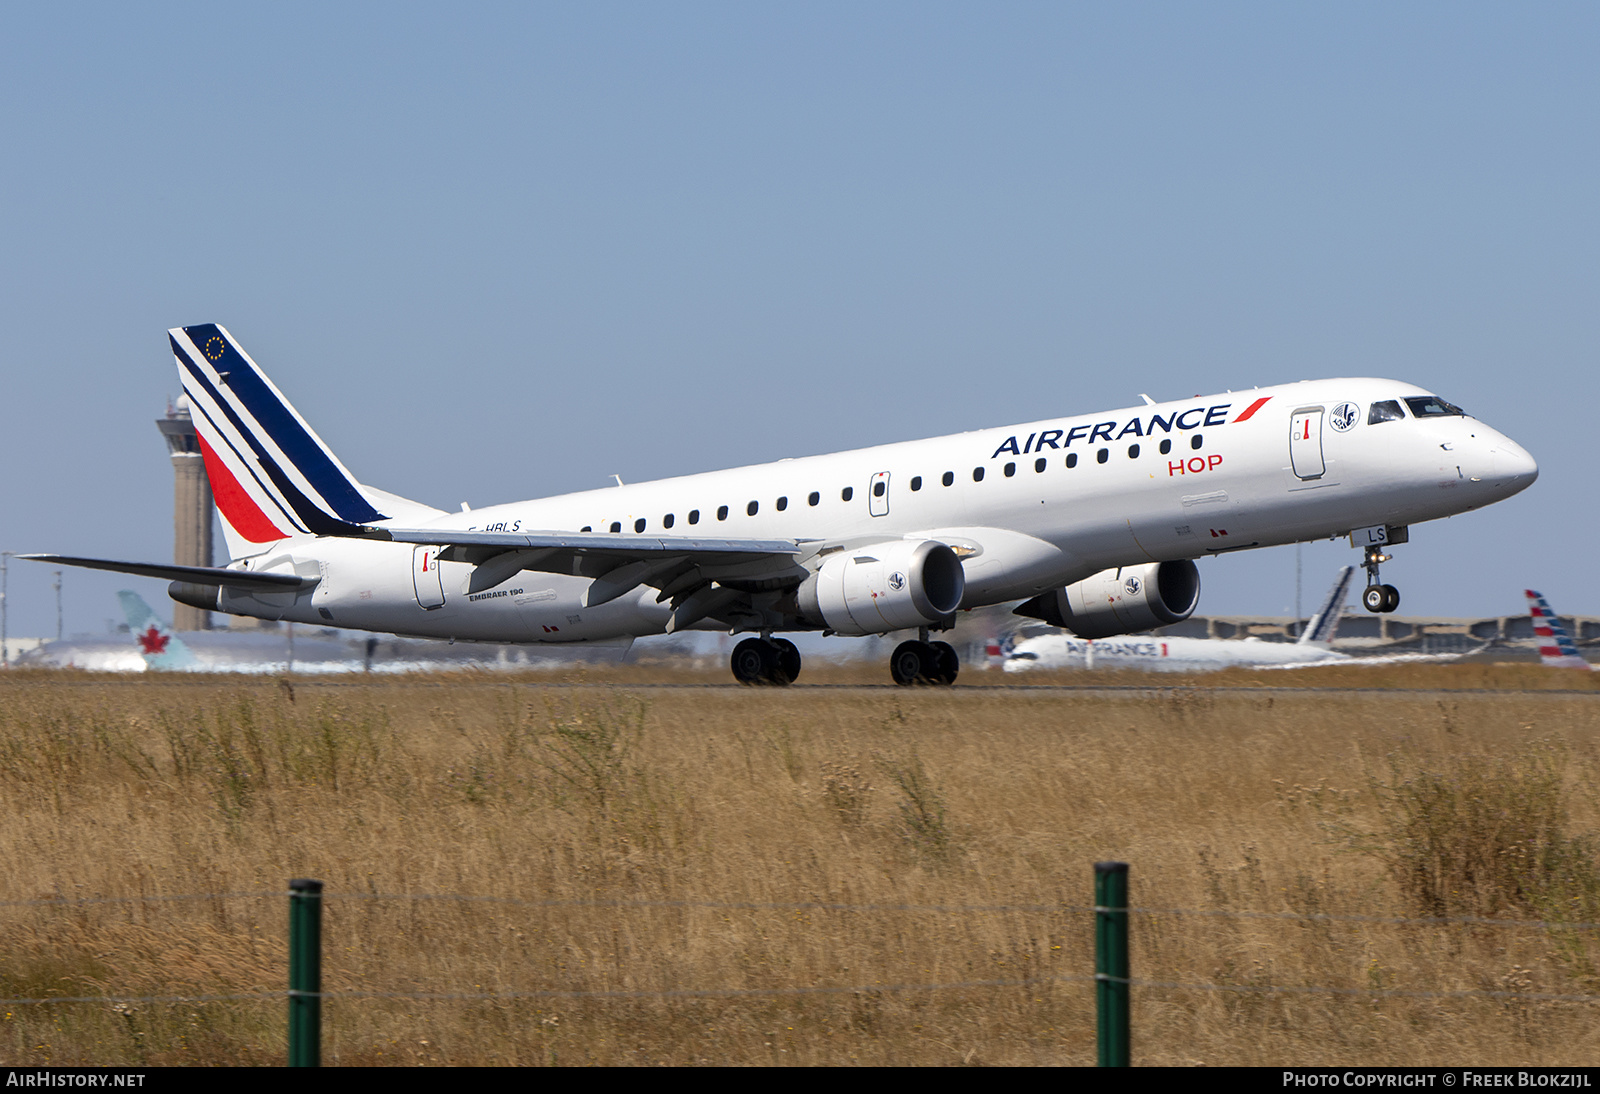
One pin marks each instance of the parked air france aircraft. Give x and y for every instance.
(1556, 647)
(1094, 520)
(1153, 654)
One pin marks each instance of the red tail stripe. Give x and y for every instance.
(238, 508)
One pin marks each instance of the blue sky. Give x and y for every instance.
(499, 252)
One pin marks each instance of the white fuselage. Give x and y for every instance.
(1149, 653)
(1231, 479)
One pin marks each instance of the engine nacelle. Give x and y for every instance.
(1121, 601)
(884, 587)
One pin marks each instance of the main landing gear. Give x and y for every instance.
(1378, 598)
(775, 661)
(766, 660)
(924, 662)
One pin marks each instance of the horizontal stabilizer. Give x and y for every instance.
(199, 575)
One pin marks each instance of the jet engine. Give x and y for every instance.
(1121, 601)
(884, 587)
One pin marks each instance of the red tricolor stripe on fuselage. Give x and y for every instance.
(1252, 408)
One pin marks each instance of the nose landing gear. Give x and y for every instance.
(1376, 597)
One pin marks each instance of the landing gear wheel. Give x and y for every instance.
(1377, 597)
(947, 661)
(753, 661)
(788, 667)
(912, 663)
(765, 661)
(1380, 598)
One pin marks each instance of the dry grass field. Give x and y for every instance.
(811, 875)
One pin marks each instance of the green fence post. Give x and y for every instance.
(1111, 962)
(305, 973)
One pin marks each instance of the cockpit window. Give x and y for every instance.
(1431, 406)
(1386, 411)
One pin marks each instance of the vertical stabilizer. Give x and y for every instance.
(1556, 647)
(272, 477)
(1325, 624)
(160, 645)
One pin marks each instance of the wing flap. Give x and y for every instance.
(622, 546)
(600, 555)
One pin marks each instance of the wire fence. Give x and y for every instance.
(805, 990)
(822, 905)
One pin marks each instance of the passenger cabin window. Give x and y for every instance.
(814, 498)
(783, 503)
(1011, 469)
(977, 474)
(1386, 411)
(666, 521)
(722, 512)
(878, 489)
(916, 484)
(638, 525)
(1133, 452)
(1196, 441)
(847, 493)
(1072, 459)
(1166, 446)
(1431, 406)
(694, 516)
(1102, 456)
(949, 478)
(750, 510)
(616, 526)
(587, 528)
(1038, 465)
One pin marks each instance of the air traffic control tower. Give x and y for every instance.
(191, 506)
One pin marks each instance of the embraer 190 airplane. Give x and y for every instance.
(1093, 520)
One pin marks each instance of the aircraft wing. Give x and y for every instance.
(677, 565)
(602, 544)
(199, 575)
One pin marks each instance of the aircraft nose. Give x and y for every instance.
(1511, 466)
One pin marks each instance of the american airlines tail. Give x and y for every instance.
(160, 646)
(1556, 647)
(272, 477)
(1325, 624)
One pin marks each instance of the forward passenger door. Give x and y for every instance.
(1305, 443)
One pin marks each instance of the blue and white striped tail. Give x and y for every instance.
(271, 475)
